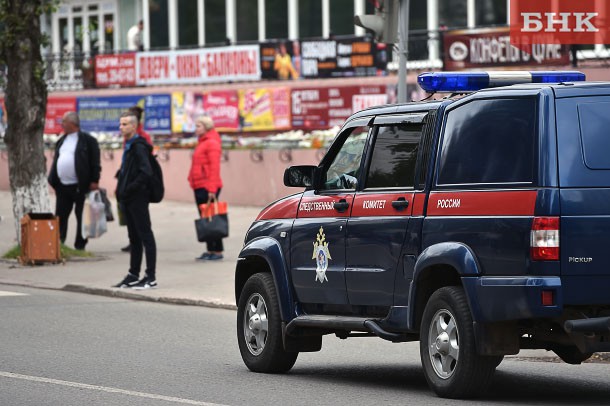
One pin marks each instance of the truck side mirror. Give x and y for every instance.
(299, 176)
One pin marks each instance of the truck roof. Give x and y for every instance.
(560, 90)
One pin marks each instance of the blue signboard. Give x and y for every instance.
(157, 113)
(103, 113)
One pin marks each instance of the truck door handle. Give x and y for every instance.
(341, 205)
(400, 204)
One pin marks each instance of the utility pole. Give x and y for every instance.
(403, 49)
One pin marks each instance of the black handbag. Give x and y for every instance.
(212, 228)
(214, 223)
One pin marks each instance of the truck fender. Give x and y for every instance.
(453, 254)
(269, 250)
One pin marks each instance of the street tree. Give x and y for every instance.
(25, 101)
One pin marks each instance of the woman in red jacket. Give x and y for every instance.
(204, 176)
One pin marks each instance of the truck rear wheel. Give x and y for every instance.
(259, 327)
(448, 352)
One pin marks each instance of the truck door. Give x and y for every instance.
(379, 220)
(584, 176)
(318, 237)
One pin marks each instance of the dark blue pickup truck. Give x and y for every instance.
(477, 225)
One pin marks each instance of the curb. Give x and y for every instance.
(127, 294)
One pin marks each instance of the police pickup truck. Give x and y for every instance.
(477, 225)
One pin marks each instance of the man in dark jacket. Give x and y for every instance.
(133, 191)
(75, 171)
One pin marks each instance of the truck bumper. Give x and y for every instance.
(494, 299)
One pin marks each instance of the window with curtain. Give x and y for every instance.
(247, 20)
(215, 21)
(276, 19)
(159, 29)
(187, 23)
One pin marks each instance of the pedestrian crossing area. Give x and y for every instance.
(5, 293)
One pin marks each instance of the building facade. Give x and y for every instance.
(102, 25)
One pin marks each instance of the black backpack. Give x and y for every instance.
(157, 190)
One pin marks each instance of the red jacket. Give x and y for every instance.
(205, 168)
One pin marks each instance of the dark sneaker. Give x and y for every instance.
(129, 281)
(126, 248)
(203, 257)
(145, 283)
(214, 257)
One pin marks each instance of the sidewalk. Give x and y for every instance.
(181, 279)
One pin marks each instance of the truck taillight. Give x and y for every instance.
(544, 239)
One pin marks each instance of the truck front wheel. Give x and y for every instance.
(259, 327)
(448, 352)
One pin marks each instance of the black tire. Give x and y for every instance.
(259, 327)
(448, 352)
(572, 355)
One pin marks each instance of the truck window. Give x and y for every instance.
(489, 142)
(394, 156)
(595, 134)
(343, 171)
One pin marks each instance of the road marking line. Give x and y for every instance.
(7, 293)
(105, 389)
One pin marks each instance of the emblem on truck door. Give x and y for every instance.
(321, 255)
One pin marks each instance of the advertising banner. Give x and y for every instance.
(280, 98)
(222, 64)
(186, 107)
(56, 108)
(344, 57)
(264, 109)
(115, 70)
(102, 113)
(465, 49)
(223, 107)
(323, 108)
(559, 22)
(157, 113)
(269, 51)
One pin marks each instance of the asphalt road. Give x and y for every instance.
(61, 348)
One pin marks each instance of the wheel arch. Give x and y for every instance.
(439, 265)
(265, 255)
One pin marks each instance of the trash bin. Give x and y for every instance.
(39, 238)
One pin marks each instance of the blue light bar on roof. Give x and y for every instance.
(459, 82)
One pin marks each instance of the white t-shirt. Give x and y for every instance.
(66, 168)
(133, 38)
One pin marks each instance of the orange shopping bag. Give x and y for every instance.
(210, 209)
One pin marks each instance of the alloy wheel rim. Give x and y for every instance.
(256, 324)
(443, 344)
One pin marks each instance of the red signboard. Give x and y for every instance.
(223, 107)
(56, 108)
(115, 70)
(465, 49)
(559, 22)
(323, 108)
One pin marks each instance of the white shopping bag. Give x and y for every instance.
(94, 215)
